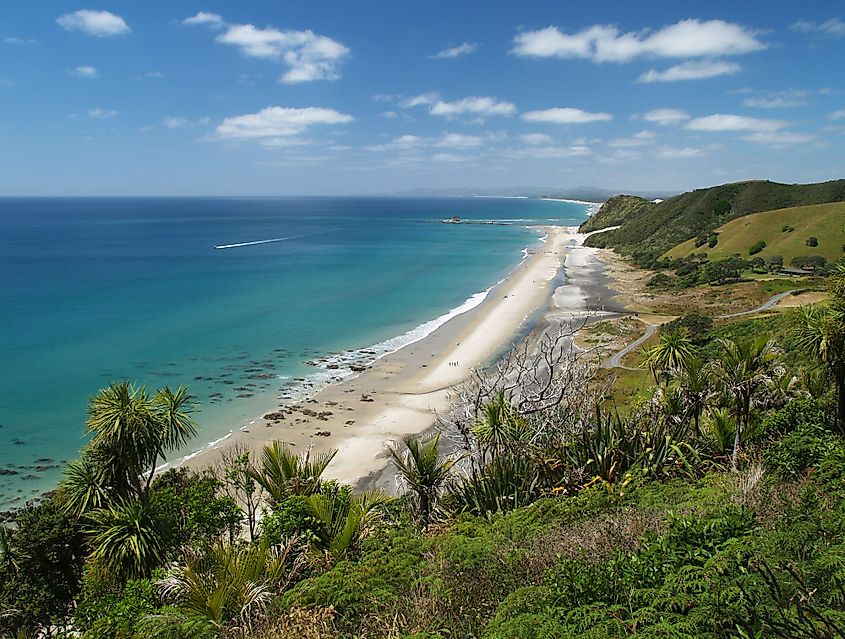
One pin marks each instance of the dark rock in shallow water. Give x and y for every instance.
(6, 471)
(43, 460)
(18, 442)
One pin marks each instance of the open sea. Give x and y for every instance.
(245, 300)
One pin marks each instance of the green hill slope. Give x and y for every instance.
(826, 222)
(650, 229)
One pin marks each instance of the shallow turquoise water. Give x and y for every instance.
(94, 290)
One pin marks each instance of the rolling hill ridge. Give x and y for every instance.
(650, 229)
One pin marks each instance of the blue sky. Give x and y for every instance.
(267, 97)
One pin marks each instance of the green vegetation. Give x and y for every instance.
(757, 247)
(770, 232)
(620, 209)
(711, 505)
(649, 229)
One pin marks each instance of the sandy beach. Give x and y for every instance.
(404, 391)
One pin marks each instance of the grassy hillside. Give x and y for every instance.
(615, 211)
(654, 228)
(826, 222)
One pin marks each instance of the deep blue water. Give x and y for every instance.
(93, 290)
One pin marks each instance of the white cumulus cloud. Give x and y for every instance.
(544, 152)
(642, 138)
(835, 27)
(480, 106)
(691, 70)
(175, 122)
(101, 24)
(451, 157)
(677, 153)
(459, 141)
(308, 56)
(535, 139)
(99, 113)
(780, 138)
(410, 142)
(565, 115)
(724, 122)
(777, 100)
(665, 117)
(606, 43)
(277, 122)
(83, 72)
(455, 52)
(204, 17)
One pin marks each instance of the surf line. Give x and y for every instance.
(228, 246)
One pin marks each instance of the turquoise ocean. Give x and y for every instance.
(238, 298)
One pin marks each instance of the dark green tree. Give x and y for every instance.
(40, 570)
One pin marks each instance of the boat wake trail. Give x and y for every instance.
(275, 239)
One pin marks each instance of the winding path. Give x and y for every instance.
(615, 360)
(765, 306)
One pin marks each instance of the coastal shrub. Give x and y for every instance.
(721, 207)
(713, 240)
(376, 584)
(757, 247)
(192, 509)
(40, 568)
(812, 241)
(118, 615)
(724, 271)
(289, 518)
(800, 450)
(696, 326)
(799, 412)
(786, 228)
(659, 280)
(774, 263)
(809, 262)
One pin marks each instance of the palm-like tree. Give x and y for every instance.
(500, 424)
(344, 520)
(283, 473)
(694, 382)
(743, 367)
(423, 469)
(126, 538)
(214, 588)
(821, 332)
(721, 430)
(132, 430)
(669, 354)
(173, 424)
(85, 485)
(121, 422)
